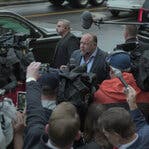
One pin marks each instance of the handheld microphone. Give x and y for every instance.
(86, 19)
(80, 69)
(119, 75)
(71, 64)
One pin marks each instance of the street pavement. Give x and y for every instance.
(19, 2)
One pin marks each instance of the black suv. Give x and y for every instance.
(43, 39)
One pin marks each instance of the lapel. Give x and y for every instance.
(60, 43)
(78, 58)
(96, 60)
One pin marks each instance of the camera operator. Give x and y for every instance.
(15, 56)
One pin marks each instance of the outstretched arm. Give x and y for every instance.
(131, 98)
(136, 114)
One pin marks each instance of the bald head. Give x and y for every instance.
(130, 31)
(88, 43)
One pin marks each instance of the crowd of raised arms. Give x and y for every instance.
(89, 99)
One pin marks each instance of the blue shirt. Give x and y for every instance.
(89, 62)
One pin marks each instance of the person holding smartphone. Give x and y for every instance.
(123, 129)
(111, 91)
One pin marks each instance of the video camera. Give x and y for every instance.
(10, 40)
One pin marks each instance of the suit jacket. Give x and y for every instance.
(37, 117)
(99, 67)
(142, 129)
(64, 49)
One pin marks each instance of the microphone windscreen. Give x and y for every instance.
(86, 19)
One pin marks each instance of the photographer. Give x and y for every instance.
(123, 129)
(111, 93)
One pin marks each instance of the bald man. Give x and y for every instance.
(66, 45)
(92, 56)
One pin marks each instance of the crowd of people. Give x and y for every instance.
(117, 117)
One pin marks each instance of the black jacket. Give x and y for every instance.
(64, 49)
(99, 67)
(37, 117)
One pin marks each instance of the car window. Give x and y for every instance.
(10, 24)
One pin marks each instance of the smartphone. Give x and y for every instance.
(21, 100)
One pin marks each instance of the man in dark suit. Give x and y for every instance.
(63, 126)
(92, 56)
(123, 129)
(67, 44)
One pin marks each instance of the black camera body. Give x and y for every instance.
(44, 68)
(11, 40)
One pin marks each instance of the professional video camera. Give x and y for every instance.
(15, 56)
(17, 41)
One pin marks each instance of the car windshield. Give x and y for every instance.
(9, 24)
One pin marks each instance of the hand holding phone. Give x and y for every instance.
(21, 100)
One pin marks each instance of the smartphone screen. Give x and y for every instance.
(21, 100)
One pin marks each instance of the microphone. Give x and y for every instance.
(119, 75)
(86, 19)
(72, 63)
(80, 69)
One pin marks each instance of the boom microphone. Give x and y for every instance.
(86, 19)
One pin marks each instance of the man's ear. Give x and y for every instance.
(47, 128)
(78, 136)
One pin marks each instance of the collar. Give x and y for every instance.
(92, 55)
(125, 146)
(49, 104)
(132, 39)
(49, 144)
(66, 34)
